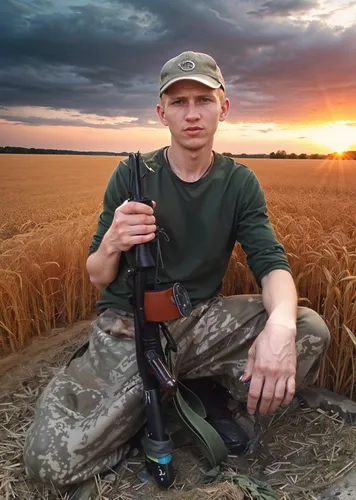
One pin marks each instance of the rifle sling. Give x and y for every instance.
(191, 412)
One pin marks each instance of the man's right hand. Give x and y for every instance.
(133, 223)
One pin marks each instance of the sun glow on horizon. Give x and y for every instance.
(337, 136)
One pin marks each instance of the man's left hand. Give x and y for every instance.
(271, 366)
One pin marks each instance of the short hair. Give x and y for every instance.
(222, 94)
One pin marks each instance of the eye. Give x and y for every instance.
(205, 99)
(178, 101)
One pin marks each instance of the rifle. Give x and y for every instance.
(151, 310)
(155, 376)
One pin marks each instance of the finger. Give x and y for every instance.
(267, 395)
(254, 393)
(250, 364)
(290, 391)
(142, 238)
(141, 229)
(140, 220)
(279, 393)
(135, 207)
(249, 369)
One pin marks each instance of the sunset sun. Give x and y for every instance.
(336, 136)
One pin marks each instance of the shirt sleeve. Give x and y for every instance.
(256, 235)
(115, 194)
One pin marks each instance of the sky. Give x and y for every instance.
(84, 75)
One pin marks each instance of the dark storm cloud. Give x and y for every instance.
(105, 57)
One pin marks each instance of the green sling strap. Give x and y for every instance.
(191, 413)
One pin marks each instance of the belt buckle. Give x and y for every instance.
(181, 300)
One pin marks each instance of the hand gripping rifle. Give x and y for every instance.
(157, 444)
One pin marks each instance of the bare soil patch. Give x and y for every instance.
(301, 452)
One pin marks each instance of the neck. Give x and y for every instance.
(189, 165)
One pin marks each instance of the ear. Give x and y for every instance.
(225, 106)
(161, 113)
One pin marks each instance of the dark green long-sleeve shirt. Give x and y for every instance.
(202, 221)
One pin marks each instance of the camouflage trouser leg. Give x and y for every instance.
(93, 406)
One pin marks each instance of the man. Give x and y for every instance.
(203, 203)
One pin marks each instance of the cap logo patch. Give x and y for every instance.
(187, 65)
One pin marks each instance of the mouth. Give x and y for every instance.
(192, 130)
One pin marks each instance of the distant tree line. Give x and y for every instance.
(246, 155)
(42, 151)
(345, 155)
(282, 154)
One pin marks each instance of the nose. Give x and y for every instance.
(192, 112)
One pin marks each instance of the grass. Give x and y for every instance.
(301, 451)
(50, 212)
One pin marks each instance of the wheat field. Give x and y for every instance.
(49, 207)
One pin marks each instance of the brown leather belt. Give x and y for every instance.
(167, 305)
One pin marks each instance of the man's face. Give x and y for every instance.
(192, 112)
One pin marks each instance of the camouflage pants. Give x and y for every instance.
(90, 409)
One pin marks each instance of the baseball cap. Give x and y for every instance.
(191, 65)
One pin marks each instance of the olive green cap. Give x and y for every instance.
(191, 66)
